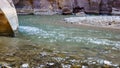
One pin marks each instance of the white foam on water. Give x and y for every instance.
(105, 42)
(41, 33)
(29, 30)
(96, 41)
(64, 36)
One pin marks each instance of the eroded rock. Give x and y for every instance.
(50, 7)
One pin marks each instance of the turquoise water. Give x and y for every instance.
(85, 42)
(42, 30)
(48, 42)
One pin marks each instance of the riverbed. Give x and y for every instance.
(45, 42)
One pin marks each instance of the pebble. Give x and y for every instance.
(26, 65)
(66, 66)
(0, 65)
(50, 64)
(107, 62)
(84, 66)
(4, 65)
(43, 54)
(10, 59)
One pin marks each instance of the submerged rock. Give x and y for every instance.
(28, 55)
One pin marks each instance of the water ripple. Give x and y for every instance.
(63, 36)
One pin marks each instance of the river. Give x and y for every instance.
(43, 41)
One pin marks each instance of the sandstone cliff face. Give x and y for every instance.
(66, 6)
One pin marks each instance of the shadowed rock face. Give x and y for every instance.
(106, 6)
(15, 1)
(116, 4)
(44, 7)
(94, 6)
(24, 6)
(67, 6)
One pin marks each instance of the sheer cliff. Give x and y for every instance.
(67, 6)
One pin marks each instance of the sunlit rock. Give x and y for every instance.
(8, 19)
(25, 65)
(84, 66)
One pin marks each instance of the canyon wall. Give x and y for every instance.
(67, 6)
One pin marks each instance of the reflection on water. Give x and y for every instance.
(67, 46)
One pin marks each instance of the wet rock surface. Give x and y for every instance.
(18, 53)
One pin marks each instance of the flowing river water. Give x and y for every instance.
(45, 42)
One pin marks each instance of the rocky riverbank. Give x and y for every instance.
(41, 43)
(18, 53)
(95, 21)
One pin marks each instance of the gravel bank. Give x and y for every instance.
(98, 21)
